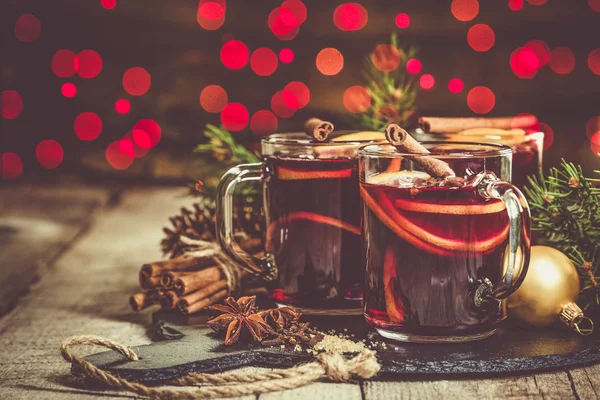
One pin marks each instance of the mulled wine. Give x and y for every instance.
(313, 230)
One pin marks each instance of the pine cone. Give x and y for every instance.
(199, 224)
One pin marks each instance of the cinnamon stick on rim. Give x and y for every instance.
(318, 129)
(405, 143)
(451, 125)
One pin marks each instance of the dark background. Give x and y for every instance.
(165, 38)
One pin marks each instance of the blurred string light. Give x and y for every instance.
(49, 154)
(515, 5)
(594, 5)
(122, 106)
(524, 62)
(27, 28)
(594, 61)
(481, 100)
(592, 127)
(286, 55)
(11, 104)
(263, 61)
(108, 4)
(541, 50)
(562, 60)
(330, 61)
(211, 14)
(595, 144)
(385, 57)
(464, 10)
(213, 98)
(456, 85)
(11, 166)
(537, 2)
(151, 128)
(350, 17)
(64, 63)
(284, 23)
(356, 99)
(141, 142)
(263, 123)
(234, 54)
(402, 20)
(297, 7)
(481, 37)
(136, 81)
(279, 107)
(88, 64)
(126, 146)
(413, 66)
(68, 89)
(548, 135)
(116, 157)
(234, 116)
(427, 81)
(87, 126)
(296, 95)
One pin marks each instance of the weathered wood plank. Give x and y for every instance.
(36, 224)
(321, 391)
(587, 382)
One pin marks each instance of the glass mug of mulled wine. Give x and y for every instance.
(311, 199)
(442, 250)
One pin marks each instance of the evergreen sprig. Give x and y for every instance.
(565, 211)
(393, 94)
(223, 146)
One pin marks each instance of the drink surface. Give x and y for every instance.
(427, 247)
(313, 231)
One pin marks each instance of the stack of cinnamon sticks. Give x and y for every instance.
(185, 284)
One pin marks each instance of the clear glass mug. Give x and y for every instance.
(441, 255)
(312, 254)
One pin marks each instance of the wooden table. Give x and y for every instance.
(84, 246)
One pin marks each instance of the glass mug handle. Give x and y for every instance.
(519, 241)
(261, 267)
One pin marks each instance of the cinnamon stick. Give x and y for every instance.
(221, 294)
(405, 143)
(187, 282)
(139, 301)
(176, 264)
(149, 283)
(318, 129)
(199, 295)
(169, 300)
(451, 125)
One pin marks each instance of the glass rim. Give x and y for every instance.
(302, 139)
(493, 150)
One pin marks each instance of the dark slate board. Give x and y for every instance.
(512, 350)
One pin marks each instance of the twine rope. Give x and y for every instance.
(332, 366)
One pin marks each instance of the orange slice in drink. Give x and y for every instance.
(393, 303)
(459, 209)
(289, 174)
(397, 178)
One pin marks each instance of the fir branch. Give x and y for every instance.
(225, 148)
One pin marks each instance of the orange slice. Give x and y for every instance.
(289, 174)
(475, 209)
(305, 215)
(360, 137)
(393, 303)
(397, 178)
(394, 165)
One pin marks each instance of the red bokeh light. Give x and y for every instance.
(234, 54)
(464, 10)
(283, 23)
(68, 89)
(127, 147)
(211, 14)
(234, 116)
(548, 135)
(594, 5)
(64, 63)
(141, 142)
(11, 166)
(427, 81)
(541, 50)
(350, 17)
(595, 144)
(562, 60)
(456, 85)
(108, 4)
(481, 37)
(88, 126)
(116, 157)
(413, 66)
(592, 127)
(386, 57)
(88, 64)
(524, 62)
(279, 107)
(330, 61)
(594, 61)
(263, 123)
(299, 92)
(297, 7)
(122, 106)
(151, 128)
(11, 104)
(481, 100)
(515, 5)
(286, 56)
(402, 20)
(213, 98)
(537, 2)
(356, 99)
(27, 28)
(263, 61)
(49, 154)
(136, 81)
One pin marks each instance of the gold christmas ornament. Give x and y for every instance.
(549, 292)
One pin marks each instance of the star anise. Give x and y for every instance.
(280, 318)
(239, 316)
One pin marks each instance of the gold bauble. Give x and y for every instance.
(549, 291)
